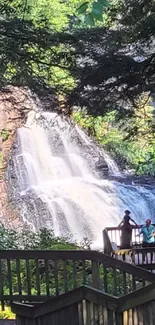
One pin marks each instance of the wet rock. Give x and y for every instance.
(15, 104)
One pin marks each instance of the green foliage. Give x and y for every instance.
(44, 46)
(51, 14)
(7, 314)
(43, 239)
(4, 134)
(117, 60)
(92, 12)
(129, 140)
(30, 53)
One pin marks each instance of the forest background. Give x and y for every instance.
(97, 59)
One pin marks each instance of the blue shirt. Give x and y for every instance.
(147, 234)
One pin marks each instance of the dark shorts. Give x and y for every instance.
(148, 244)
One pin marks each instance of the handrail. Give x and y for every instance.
(119, 228)
(77, 255)
(114, 233)
(136, 298)
(119, 304)
(72, 297)
(142, 257)
(39, 275)
(111, 246)
(136, 250)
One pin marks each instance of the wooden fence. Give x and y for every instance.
(114, 235)
(37, 275)
(88, 306)
(143, 257)
(82, 306)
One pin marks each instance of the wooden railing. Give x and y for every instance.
(114, 235)
(37, 275)
(144, 257)
(89, 306)
(82, 306)
(138, 308)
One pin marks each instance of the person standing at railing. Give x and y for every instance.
(148, 232)
(126, 230)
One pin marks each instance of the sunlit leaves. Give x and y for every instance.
(82, 9)
(131, 141)
(52, 14)
(92, 11)
(30, 58)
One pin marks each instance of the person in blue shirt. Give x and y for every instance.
(148, 232)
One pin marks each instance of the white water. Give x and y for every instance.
(59, 187)
(113, 167)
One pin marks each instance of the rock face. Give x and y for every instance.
(15, 103)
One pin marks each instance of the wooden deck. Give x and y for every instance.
(143, 257)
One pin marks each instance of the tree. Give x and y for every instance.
(33, 52)
(101, 68)
(52, 14)
(117, 63)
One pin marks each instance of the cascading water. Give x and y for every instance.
(55, 182)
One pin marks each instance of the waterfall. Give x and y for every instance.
(55, 182)
(112, 166)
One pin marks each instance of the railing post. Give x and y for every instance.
(119, 319)
(95, 275)
(133, 257)
(107, 248)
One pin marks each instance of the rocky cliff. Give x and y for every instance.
(15, 103)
